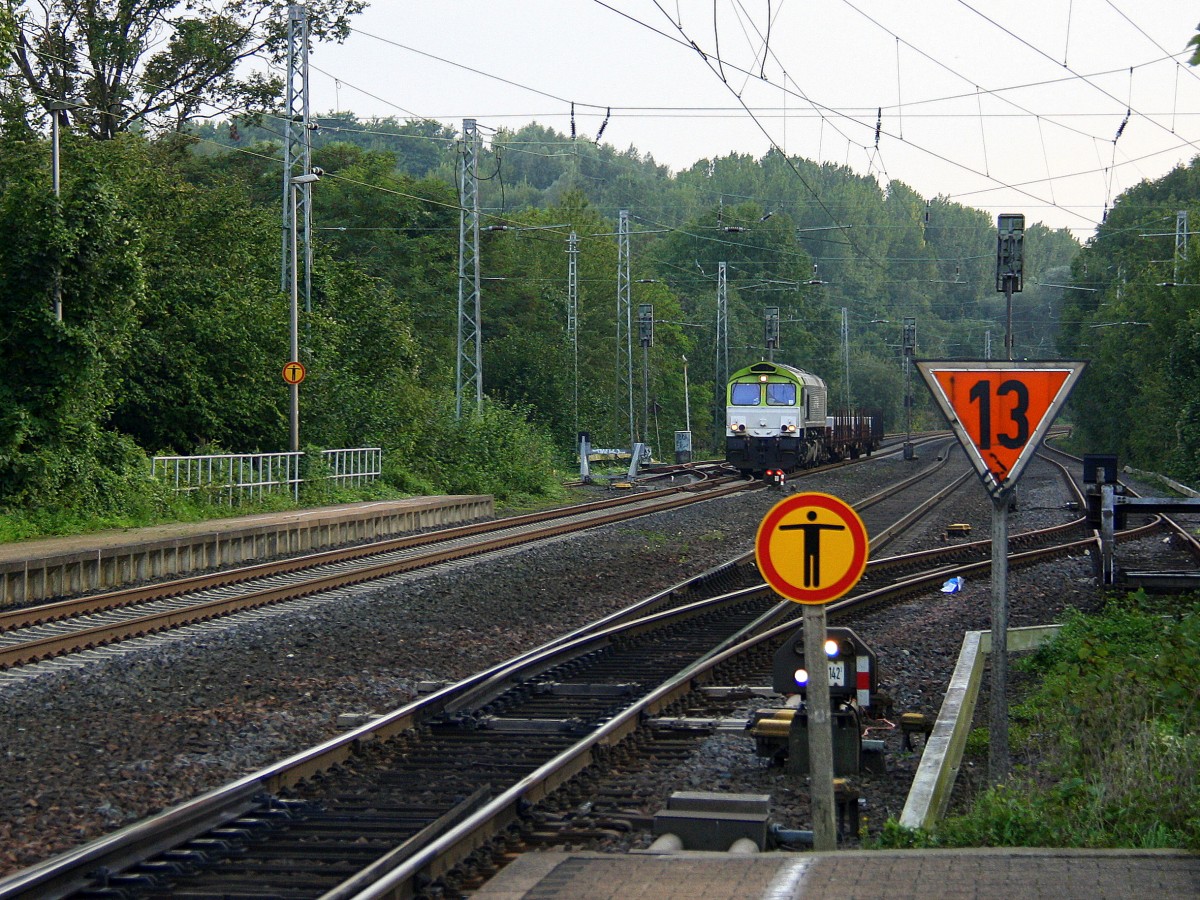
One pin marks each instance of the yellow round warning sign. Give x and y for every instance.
(294, 372)
(811, 548)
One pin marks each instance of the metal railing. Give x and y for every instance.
(355, 465)
(226, 477)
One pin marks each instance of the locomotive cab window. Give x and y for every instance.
(743, 394)
(782, 394)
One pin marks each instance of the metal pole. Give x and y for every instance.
(820, 730)
(910, 346)
(468, 368)
(846, 352)
(1180, 241)
(687, 406)
(54, 162)
(721, 354)
(645, 430)
(56, 113)
(294, 348)
(625, 323)
(573, 312)
(1008, 335)
(998, 757)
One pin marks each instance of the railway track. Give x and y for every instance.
(42, 632)
(36, 633)
(1184, 536)
(557, 709)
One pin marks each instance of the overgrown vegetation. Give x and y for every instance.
(164, 244)
(1113, 721)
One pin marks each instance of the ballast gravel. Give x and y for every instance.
(103, 741)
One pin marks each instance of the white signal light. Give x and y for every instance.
(801, 677)
(831, 648)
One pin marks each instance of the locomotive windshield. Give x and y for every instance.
(744, 394)
(783, 394)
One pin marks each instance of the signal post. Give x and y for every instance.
(812, 548)
(1000, 411)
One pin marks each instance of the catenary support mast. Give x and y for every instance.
(468, 370)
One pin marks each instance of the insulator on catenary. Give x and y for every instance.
(572, 120)
(603, 125)
(1124, 122)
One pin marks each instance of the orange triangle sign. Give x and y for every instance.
(1000, 410)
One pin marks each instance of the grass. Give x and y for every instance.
(24, 526)
(1107, 738)
(19, 525)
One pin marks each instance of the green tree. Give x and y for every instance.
(60, 379)
(157, 63)
(1132, 310)
(212, 323)
(401, 231)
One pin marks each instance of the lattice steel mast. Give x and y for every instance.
(721, 355)
(469, 365)
(297, 151)
(573, 312)
(624, 324)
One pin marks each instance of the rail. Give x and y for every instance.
(437, 853)
(224, 476)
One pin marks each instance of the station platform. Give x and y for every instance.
(983, 874)
(41, 570)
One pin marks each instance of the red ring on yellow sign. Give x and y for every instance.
(294, 372)
(768, 543)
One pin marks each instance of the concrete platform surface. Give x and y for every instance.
(123, 537)
(41, 570)
(983, 874)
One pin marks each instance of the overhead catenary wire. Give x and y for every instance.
(788, 161)
(1051, 204)
(934, 154)
(907, 107)
(1041, 52)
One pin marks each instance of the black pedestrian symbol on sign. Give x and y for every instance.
(812, 546)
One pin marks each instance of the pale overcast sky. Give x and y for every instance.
(1009, 106)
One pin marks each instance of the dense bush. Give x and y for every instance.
(1112, 723)
(496, 451)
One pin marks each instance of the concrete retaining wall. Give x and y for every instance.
(37, 571)
(942, 755)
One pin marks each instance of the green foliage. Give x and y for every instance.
(59, 379)
(1135, 310)
(213, 329)
(419, 147)
(1112, 722)
(177, 328)
(496, 452)
(159, 63)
